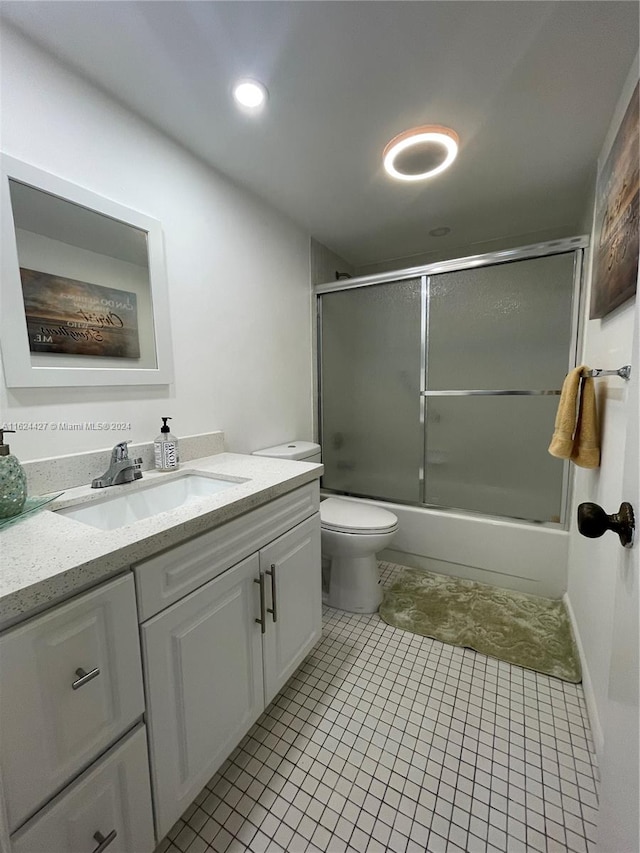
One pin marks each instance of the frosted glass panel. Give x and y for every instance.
(372, 438)
(506, 327)
(501, 327)
(489, 455)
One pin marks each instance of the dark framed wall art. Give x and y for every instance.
(615, 261)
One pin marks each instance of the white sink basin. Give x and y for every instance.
(146, 501)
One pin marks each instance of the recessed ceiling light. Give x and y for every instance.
(421, 152)
(250, 94)
(442, 231)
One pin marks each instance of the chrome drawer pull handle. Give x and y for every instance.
(262, 621)
(273, 610)
(103, 842)
(84, 678)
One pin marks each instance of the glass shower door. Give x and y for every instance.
(499, 346)
(371, 363)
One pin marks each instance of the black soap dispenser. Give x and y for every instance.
(166, 449)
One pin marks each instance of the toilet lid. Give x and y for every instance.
(352, 517)
(291, 450)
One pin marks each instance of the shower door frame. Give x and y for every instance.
(574, 245)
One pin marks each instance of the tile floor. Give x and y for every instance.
(384, 740)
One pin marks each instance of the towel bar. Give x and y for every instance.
(622, 372)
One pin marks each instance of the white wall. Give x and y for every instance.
(591, 575)
(238, 273)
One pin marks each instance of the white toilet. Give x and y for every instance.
(352, 533)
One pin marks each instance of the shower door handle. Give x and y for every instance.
(594, 522)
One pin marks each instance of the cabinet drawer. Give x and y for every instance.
(112, 800)
(165, 579)
(54, 722)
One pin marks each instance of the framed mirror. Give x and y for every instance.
(83, 294)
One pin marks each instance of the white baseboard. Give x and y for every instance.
(587, 685)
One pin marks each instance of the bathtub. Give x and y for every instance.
(523, 556)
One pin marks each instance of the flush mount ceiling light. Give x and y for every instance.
(421, 152)
(250, 95)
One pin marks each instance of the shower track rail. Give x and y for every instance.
(490, 393)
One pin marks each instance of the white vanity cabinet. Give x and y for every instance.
(214, 659)
(71, 684)
(225, 618)
(71, 690)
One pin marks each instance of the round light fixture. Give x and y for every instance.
(442, 231)
(421, 152)
(250, 94)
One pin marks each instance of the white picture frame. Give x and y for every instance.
(21, 368)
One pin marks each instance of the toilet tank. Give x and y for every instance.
(302, 451)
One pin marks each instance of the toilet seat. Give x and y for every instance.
(355, 518)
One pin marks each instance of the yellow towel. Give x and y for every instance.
(575, 435)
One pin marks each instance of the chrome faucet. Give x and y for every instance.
(121, 469)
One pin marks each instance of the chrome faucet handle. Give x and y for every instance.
(120, 452)
(121, 469)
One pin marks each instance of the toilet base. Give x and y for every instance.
(355, 584)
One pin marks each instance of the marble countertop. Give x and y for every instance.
(48, 556)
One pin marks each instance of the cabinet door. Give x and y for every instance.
(292, 568)
(56, 721)
(111, 801)
(203, 673)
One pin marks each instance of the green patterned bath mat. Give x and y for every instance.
(521, 629)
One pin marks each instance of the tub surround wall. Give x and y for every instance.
(238, 272)
(325, 263)
(593, 563)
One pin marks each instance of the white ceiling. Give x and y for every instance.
(530, 87)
